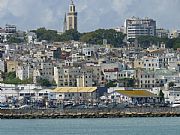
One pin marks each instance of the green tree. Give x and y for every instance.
(44, 34)
(13, 39)
(43, 82)
(161, 96)
(96, 37)
(10, 78)
(171, 84)
(69, 35)
(128, 82)
(111, 84)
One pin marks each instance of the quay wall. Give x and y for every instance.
(88, 113)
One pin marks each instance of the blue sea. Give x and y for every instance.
(122, 126)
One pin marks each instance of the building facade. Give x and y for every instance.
(140, 27)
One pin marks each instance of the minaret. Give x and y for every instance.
(65, 24)
(72, 17)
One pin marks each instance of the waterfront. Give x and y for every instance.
(128, 126)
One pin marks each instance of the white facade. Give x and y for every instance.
(2, 65)
(140, 27)
(88, 51)
(24, 72)
(44, 71)
(31, 37)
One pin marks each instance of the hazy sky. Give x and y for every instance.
(92, 14)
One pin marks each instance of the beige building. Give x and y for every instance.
(146, 78)
(11, 65)
(72, 77)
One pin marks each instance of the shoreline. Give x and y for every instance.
(79, 114)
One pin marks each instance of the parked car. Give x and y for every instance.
(4, 106)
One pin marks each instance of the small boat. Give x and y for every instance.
(176, 103)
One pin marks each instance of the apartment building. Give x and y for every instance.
(140, 27)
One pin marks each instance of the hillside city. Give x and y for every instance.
(137, 64)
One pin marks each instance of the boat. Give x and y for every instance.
(176, 103)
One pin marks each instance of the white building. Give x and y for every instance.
(31, 37)
(74, 94)
(2, 65)
(140, 27)
(88, 51)
(133, 97)
(24, 72)
(44, 71)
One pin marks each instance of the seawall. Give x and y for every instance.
(90, 113)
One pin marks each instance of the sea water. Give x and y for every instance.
(121, 126)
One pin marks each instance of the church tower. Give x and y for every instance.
(65, 24)
(72, 17)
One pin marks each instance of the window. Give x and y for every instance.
(21, 94)
(27, 94)
(40, 94)
(32, 94)
(45, 94)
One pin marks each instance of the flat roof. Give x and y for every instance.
(75, 89)
(136, 93)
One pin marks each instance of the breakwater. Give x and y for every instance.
(89, 113)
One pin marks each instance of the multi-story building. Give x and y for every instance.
(2, 65)
(24, 72)
(146, 78)
(10, 28)
(65, 77)
(72, 77)
(162, 33)
(43, 70)
(149, 63)
(140, 27)
(11, 65)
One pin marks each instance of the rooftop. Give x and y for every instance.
(75, 89)
(136, 93)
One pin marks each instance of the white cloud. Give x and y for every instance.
(92, 14)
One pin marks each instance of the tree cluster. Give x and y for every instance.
(146, 41)
(96, 37)
(45, 82)
(10, 78)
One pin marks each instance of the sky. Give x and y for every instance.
(92, 14)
